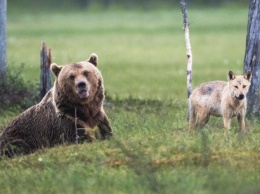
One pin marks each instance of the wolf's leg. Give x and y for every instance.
(192, 119)
(226, 121)
(241, 122)
(203, 118)
(203, 121)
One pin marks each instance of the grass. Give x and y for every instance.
(152, 42)
(151, 152)
(143, 62)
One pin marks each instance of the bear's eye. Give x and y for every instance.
(236, 87)
(85, 73)
(72, 77)
(244, 86)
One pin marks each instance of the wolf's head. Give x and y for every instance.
(239, 84)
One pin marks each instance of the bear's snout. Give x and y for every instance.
(82, 85)
(82, 89)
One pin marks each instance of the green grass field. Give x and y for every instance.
(142, 58)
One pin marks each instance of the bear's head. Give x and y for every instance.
(79, 83)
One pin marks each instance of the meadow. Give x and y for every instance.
(142, 58)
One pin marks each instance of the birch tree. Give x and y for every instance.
(188, 47)
(188, 51)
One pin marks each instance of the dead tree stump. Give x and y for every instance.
(45, 74)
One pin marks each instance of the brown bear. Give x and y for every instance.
(68, 113)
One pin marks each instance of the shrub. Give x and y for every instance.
(16, 92)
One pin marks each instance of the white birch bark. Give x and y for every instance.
(188, 50)
(188, 47)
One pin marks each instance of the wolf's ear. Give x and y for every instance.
(231, 75)
(248, 75)
(93, 59)
(55, 69)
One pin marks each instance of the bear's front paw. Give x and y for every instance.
(104, 132)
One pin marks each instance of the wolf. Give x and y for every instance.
(221, 99)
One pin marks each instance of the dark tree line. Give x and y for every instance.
(121, 3)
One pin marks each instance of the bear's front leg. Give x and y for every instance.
(104, 127)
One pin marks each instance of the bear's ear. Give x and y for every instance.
(231, 75)
(93, 59)
(55, 69)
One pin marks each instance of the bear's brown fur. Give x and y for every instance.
(78, 90)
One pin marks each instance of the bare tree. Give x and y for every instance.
(2, 41)
(252, 56)
(188, 50)
(188, 47)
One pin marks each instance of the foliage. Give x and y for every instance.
(17, 92)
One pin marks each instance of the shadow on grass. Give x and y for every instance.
(141, 165)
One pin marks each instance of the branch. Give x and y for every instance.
(76, 129)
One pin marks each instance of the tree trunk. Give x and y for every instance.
(2, 41)
(188, 51)
(45, 77)
(188, 47)
(252, 56)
